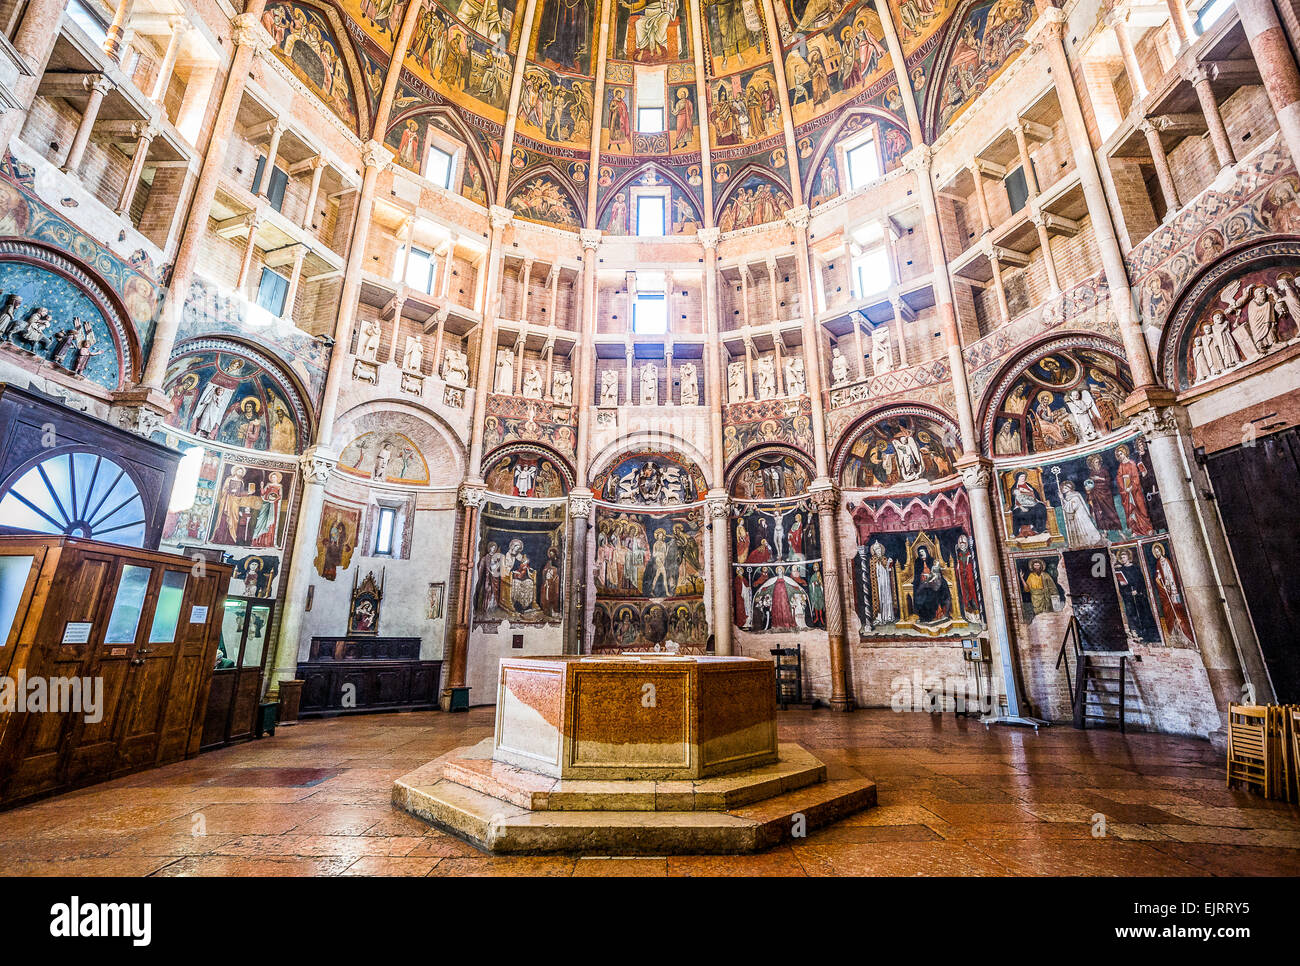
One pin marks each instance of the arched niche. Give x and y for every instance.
(231, 393)
(900, 446)
(644, 477)
(1238, 313)
(1057, 395)
(770, 472)
(542, 194)
(310, 39)
(422, 450)
(527, 471)
(54, 307)
(756, 197)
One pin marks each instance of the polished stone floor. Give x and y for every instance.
(954, 800)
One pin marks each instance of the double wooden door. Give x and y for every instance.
(1256, 487)
(237, 677)
(133, 630)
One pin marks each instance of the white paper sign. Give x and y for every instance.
(198, 615)
(76, 632)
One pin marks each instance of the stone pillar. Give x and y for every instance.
(1181, 19)
(1163, 174)
(136, 172)
(34, 42)
(976, 476)
(1049, 260)
(295, 277)
(981, 200)
(250, 247)
(309, 212)
(1118, 21)
(1277, 66)
(98, 86)
(499, 219)
(114, 42)
(179, 26)
(995, 265)
(1026, 162)
(263, 187)
(456, 660)
(826, 498)
(719, 526)
(1200, 80)
(249, 36)
(1166, 431)
(315, 467)
(581, 507)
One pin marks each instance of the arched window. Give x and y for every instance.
(77, 494)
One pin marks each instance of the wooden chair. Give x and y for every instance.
(1249, 757)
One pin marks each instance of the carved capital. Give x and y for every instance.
(375, 155)
(718, 505)
(590, 239)
(825, 495)
(581, 503)
(1158, 422)
(1049, 26)
(472, 495)
(499, 217)
(247, 31)
(97, 82)
(799, 217)
(316, 465)
(977, 474)
(917, 160)
(709, 237)
(1197, 74)
(141, 419)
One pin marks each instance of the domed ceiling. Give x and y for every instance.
(824, 64)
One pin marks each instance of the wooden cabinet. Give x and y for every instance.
(343, 675)
(126, 637)
(237, 676)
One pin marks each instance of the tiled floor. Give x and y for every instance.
(954, 800)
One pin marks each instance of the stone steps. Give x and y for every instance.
(500, 825)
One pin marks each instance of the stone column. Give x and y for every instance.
(580, 497)
(1118, 21)
(995, 264)
(1026, 162)
(249, 36)
(315, 467)
(295, 277)
(1277, 66)
(136, 172)
(976, 477)
(98, 85)
(1049, 261)
(309, 212)
(826, 498)
(34, 42)
(1200, 81)
(114, 42)
(1181, 18)
(179, 27)
(1163, 174)
(250, 247)
(456, 660)
(981, 200)
(499, 219)
(719, 526)
(581, 507)
(1165, 428)
(263, 187)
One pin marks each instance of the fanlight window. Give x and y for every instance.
(77, 494)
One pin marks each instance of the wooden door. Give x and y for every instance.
(1256, 488)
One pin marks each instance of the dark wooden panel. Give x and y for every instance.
(346, 675)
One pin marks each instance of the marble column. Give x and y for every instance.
(1049, 260)
(1204, 590)
(999, 289)
(456, 656)
(263, 187)
(826, 498)
(1200, 81)
(1161, 160)
(34, 42)
(580, 497)
(98, 86)
(136, 171)
(581, 507)
(1181, 19)
(250, 248)
(715, 396)
(179, 27)
(114, 41)
(1026, 162)
(295, 278)
(719, 526)
(981, 200)
(1277, 66)
(1118, 21)
(315, 467)
(249, 37)
(309, 211)
(499, 219)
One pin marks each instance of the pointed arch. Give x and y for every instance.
(629, 179)
(550, 173)
(318, 75)
(462, 131)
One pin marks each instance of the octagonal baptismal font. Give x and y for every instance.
(634, 753)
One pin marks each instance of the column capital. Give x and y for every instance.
(1196, 74)
(1157, 422)
(97, 82)
(799, 217)
(141, 410)
(917, 160)
(709, 237)
(247, 31)
(374, 154)
(581, 503)
(718, 504)
(1049, 25)
(825, 495)
(590, 238)
(472, 494)
(179, 24)
(1117, 17)
(976, 472)
(316, 464)
(500, 218)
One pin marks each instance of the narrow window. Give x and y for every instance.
(384, 532)
(863, 165)
(650, 214)
(650, 311)
(439, 167)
